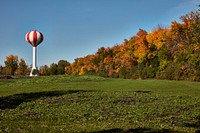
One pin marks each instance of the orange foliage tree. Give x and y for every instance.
(11, 64)
(141, 46)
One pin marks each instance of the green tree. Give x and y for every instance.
(1, 69)
(53, 70)
(61, 66)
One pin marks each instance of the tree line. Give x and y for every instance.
(165, 53)
(14, 66)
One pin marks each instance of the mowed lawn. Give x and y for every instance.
(94, 104)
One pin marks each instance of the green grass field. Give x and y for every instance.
(95, 105)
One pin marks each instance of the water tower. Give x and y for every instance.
(34, 38)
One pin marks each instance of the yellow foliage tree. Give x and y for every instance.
(11, 64)
(141, 46)
(157, 37)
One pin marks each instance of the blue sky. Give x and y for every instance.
(76, 28)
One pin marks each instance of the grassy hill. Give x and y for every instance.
(96, 104)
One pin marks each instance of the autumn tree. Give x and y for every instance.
(179, 57)
(99, 56)
(156, 39)
(126, 67)
(44, 70)
(191, 22)
(68, 70)
(141, 46)
(22, 69)
(11, 64)
(74, 68)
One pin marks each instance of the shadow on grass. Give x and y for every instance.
(137, 130)
(142, 91)
(11, 102)
(195, 125)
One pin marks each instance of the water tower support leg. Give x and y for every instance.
(34, 71)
